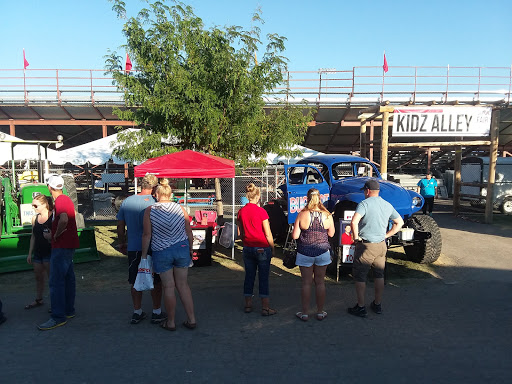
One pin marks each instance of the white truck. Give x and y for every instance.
(476, 170)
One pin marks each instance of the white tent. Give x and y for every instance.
(272, 158)
(96, 152)
(21, 151)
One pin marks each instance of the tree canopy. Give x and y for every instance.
(202, 89)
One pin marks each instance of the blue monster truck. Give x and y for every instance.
(340, 178)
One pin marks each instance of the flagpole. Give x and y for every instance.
(24, 81)
(383, 73)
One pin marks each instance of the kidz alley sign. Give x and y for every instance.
(442, 121)
(296, 204)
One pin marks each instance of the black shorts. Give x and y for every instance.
(133, 267)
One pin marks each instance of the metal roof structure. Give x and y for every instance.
(41, 104)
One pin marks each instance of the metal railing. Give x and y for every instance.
(358, 85)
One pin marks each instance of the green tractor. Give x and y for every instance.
(16, 225)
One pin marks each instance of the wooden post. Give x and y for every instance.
(12, 128)
(457, 179)
(429, 159)
(371, 140)
(384, 146)
(493, 157)
(218, 197)
(104, 131)
(362, 139)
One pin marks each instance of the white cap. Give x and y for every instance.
(55, 182)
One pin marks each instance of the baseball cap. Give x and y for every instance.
(372, 185)
(55, 182)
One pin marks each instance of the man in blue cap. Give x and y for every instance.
(369, 227)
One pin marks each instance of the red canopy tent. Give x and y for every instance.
(187, 163)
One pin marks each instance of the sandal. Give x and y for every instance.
(302, 316)
(268, 312)
(36, 303)
(248, 309)
(165, 326)
(189, 325)
(321, 315)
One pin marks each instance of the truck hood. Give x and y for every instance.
(399, 197)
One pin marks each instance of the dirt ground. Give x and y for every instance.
(444, 323)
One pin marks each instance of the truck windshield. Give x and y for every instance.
(342, 170)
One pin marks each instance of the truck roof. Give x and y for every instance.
(330, 159)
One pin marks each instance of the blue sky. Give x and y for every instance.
(323, 34)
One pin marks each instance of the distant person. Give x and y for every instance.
(427, 187)
(40, 248)
(2, 316)
(258, 249)
(64, 237)
(130, 219)
(346, 236)
(167, 229)
(369, 227)
(312, 229)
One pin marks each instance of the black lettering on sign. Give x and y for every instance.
(443, 128)
(435, 124)
(415, 123)
(400, 124)
(459, 122)
(422, 128)
(468, 122)
(450, 129)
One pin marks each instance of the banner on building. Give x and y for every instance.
(442, 121)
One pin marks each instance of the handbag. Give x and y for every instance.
(289, 258)
(144, 279)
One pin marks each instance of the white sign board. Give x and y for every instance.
(348, 253)
(26, 213)
(348, 215)
(441, 121)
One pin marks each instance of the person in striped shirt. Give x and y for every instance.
(167, 228)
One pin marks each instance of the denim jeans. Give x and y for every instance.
(253, 261)
(62, 283)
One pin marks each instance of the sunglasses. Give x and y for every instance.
(35, 206)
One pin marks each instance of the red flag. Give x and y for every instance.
(25, 62)
(385, 66)
(128, 66)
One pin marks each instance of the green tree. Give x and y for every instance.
(202, 89)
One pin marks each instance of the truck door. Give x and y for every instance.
(299, 180)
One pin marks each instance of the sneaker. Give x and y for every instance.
(70, 316)
(377, 308)
(136, 318)
(358, 311)
(50, 324)
(157, 319)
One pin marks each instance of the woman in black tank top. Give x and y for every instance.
(40, 247)
(313, 227)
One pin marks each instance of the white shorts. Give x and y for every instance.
(308, 261)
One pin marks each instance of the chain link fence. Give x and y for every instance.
(98, 191)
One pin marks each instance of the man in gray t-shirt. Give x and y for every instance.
(370, 229)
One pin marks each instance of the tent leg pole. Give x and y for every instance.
(233, 219)
(135, 185)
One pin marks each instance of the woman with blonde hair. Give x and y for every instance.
(40, 248)
(167, 228)
(254, 229)
(313, 227)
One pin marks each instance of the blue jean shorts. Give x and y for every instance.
(308, 261)
(177, 255)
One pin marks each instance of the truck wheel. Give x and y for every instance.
(424, 251)
(69, 184)
(506, 207)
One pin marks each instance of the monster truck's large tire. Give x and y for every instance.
(424, 251)
(506, 206)
(339, 214)
(69, 184)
